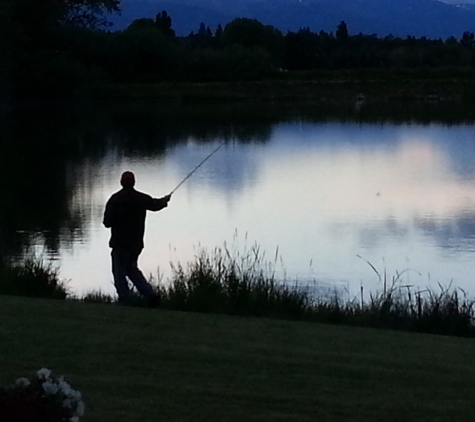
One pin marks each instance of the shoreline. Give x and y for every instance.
(338, 86)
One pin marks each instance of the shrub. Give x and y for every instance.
(31, 277)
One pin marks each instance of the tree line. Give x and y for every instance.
(54, 48)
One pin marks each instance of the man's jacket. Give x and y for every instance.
(125, 216)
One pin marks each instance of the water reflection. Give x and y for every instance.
(322, 186)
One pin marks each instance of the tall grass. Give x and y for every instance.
(446, 312)
(31, 277)
(238, 284)
(243, 283)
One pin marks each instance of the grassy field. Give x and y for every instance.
(137, 364)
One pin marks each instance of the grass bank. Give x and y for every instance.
(136, 364)
(229, 282)
(340, 86)
(244, 283)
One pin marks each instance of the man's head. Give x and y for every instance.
(127, 179)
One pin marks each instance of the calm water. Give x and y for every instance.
(316, 190)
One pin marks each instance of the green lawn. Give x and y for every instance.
(136, 364)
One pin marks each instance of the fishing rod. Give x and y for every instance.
(196, 168)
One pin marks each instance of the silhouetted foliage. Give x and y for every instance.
(142, 53)
(303, 50)
(37, 60)
(202, 39)
(56, 48)
(342, 32)
(250, 33)
(164, 24)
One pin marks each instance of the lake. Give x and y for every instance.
(324, 192)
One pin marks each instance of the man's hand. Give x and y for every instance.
(167, 198)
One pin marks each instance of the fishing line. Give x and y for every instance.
(196, 168)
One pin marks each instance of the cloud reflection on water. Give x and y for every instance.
(325, 193)
(328, 192)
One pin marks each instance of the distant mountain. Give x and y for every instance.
(429, 18)
(466, 6)
(458, 2)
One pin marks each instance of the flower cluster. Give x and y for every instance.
(44, 397)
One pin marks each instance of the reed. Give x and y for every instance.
(236, 284)
(32, 277)
(445, 312)
(243, 283)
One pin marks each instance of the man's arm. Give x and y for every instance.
(156, 204)
(107, 220)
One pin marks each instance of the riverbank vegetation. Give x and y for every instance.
(144, 365)
(52, 50)
(343, 88)
(244, 284)
(31, 278)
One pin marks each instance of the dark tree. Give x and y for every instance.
(302, 50)
(42, 63)
(218, 32)
(468, 40)
(164, 23)
(202, 30)
(252, 33)
(142, 23)
(342, 32)
(89, 13)
(202, 39)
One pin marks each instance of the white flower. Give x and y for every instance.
(43, 373)
(22, 382)
(75, 395)
(50, 388)
(65, 387)
(80, 408)
(53, 385)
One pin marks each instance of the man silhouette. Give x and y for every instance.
(125, 215)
